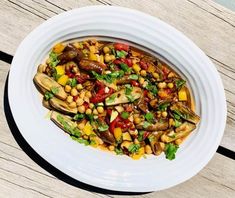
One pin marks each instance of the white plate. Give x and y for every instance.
(97, 167)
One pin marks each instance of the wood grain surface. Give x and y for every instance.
(212, 27)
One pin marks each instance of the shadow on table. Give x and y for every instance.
(43, 163)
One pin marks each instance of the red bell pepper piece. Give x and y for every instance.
(114, 123)
(143, 65)
(135, 83)
(146, 134)
(121, 46)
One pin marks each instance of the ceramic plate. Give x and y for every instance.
(96, 167)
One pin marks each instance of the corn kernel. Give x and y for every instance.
(106, 50)
(170, 85)
(69, 99)
(67, 88)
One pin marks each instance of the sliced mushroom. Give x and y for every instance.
(120, 97)
(107, 137)
(41, 68)
(62, 106)
(47, 83)
(183, 130)
(158, 126)
(90, 65)
(64, 122)
(185, 113)
(154, 139)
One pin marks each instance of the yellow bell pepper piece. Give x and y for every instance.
(151, 69)
(60, 69)
(63, 80)
(88, 130)
(126, 136)
(139, 154)
(182, 95)
(93, 57)
(136, 68)
(58, 48)
(118, 133)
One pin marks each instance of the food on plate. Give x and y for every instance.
(116, 97)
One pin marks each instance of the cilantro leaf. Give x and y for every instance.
(121, 54)
(134, 77)
(103, 127)
(170, 151)
(128, 89)
(133, 148)
(179, 83)
(48, 95)
(125, 115)
(53, 59)
(125, 67)
(118, 151)
(79, 116)
(54, 90)
(163, 106)
(177, 123)
(141, 136)
(111, 98)
(149, 117)
(152, 88)
(146, 124)
(73, 82)
(130, 98)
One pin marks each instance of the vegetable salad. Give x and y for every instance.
(117, 98)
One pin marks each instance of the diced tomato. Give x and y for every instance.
(113, 124)
(121, 46)
(75, 98)
(143, 65)
(135, 83)
(128, 61)
(86, 105)
(101, 95)
(129, 108)
(146, 134)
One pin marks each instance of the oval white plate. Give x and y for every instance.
(97, 167)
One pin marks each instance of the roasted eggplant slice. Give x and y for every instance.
(46, 104)
(107, 137)
(121, 97)
(184, 112)
(47, 83)
(90, 65)
(62, 106)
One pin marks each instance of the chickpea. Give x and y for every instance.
(137, 120)
(164, 114)
(95, 112)
(81, 125)
(88, 111)
(81, 109)
(143, 73)
(100, 109)
(162, 85)
(170, 85)
(111, 148)
(155, 75)
(88, 94)
(79, 87)
(79, 101)
(82, 94)
(107, 58)
(74, 92)
(67, 88)
(141, 80)
(91, 105)
(86, 99)
(112, 57)
(72, 104)
(106, 50)
(69, 99)
(148, 149)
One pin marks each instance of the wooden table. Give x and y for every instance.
(23, 173)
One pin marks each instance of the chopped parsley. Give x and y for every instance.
(48, 95)
(118, 151)
(163, 106)
(149, 117)
(141, 136)
(121, 54)
(133, 148)
(125, 115)
(133, 77)
(129, 89)
(103, 127)
(177, 115)
(152, 88)
(53, 59)
(179, 83)
(54, 90)
(170, 151)
(125, 67)
(79, 116)
(146, 124)
(130, 98)
(108, 77)
(111, 98)
(177, 123)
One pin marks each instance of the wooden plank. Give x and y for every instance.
(209, 25)
(27, 178)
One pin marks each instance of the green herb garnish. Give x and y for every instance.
(177, 123)
(133, 77)
(149, 117)
(177, 115)
(103, 127)
(90, 117)
(79, 116)
(146, 124)
(179, 83)
(163, 106)
(128, 89)
(121, 54)
(53, 59)
(141, 136)
(125, 67)
(125, 115)
(111, 98)
(170, 151)
(73, 82)
(108, 77)
(48, 95)
(133, 148)
(118, 151)
(54, 90)
(152, 88)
